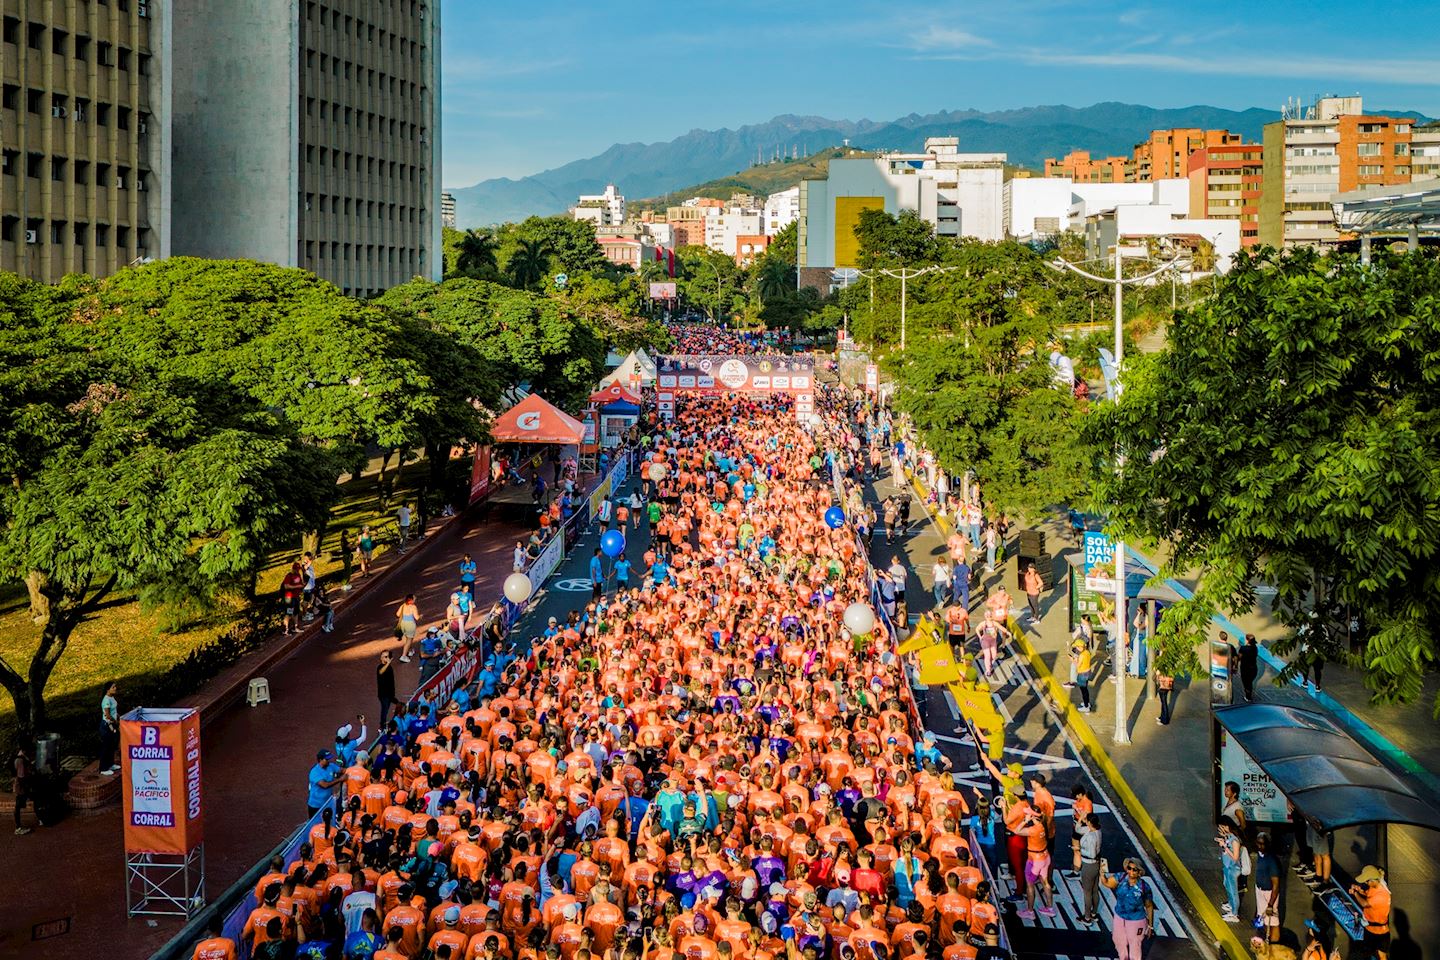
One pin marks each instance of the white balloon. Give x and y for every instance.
(657, 472)
(517, 588)
(859, 619)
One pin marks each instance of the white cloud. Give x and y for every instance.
(936, 37)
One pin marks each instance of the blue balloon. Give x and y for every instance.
(613, 543)
(835, 517)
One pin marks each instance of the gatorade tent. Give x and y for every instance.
(535, 420)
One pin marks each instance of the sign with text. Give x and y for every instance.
(1100, 563)
(481, 480)
(1263, 801)
(710, 375)
(662, 290)
(872, 378)
(160, 785)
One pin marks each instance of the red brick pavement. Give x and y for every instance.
(254, 761)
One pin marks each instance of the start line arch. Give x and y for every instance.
(716, 374)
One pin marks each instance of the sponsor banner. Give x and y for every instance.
(458, 672)
(662, 291)
(601, 492)
(1100, 563)
(872, 378)
(160, 785)
(1263, 801)
(480, 479)
(726, 374)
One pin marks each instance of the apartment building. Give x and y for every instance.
(1225, 185)
(1425, 151)
(85, 177)
(447, 210)
(307, 134)
(1332, 146)
(1166, 154)
(1079, 167)
(605, 209)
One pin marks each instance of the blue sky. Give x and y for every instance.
(529, 86)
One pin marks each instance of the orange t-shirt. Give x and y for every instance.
(215, 948)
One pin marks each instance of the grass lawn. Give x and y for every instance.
(125, 643)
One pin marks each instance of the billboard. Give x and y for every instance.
(662, 291)
(480, 479)
(1263, 801)
(160, 780)
(731, 373)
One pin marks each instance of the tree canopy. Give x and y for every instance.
(1289, 434)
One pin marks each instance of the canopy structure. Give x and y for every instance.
(635, 367)
(615, 396)
(1323, 770)
(535, 420)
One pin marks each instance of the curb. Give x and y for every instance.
(1200, 902)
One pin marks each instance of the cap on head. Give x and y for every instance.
(1371, 872)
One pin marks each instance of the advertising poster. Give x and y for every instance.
(480, 479)
(732, 374)
(160, 780)
(1263, 801)
(1100, 563)
(662, 291)
(872, 378)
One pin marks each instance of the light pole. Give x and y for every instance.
(712, 266)
(1122, 719)
(903, 275)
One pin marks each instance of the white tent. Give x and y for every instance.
(635, 366)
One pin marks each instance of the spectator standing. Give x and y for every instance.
(1089, 834)
(385, 685)
(1249, 665)
(1033, 585)
(402, 517)
(1266, 873)
(24, 770)
(110, 730)
(468, 567)
(941, 588)
(366, 544)
(1134, 918)
(324, 777)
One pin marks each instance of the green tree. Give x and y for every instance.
(569, 244)
(1289, 434)
(475, 254)
(887, 240)
(528, 263)
(128, 478)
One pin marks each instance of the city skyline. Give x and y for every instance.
(526, 93)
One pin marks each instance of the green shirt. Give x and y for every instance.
(654, 511)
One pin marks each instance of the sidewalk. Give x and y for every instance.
(255, 764)
(1166, 771)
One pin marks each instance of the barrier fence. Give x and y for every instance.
(458, 671)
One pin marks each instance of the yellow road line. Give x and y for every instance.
(1199, 899)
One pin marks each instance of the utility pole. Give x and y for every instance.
(1122, 700)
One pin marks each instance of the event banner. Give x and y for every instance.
(480, 479)
(160, 770)
(1100, 563)
(727, 374)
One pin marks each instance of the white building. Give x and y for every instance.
(1131, 221)
(959, 194)
(723, 230)
(1046, 206)
(781, 210)
(602, 209)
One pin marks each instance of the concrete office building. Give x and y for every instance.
(602, 209)
(85, 180)
(308, 134)
(959, 194)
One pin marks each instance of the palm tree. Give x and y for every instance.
(774, 280)
(475, 254)
(528, 263)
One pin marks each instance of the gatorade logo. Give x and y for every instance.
(528, 421)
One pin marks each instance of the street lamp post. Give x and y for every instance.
(1122, 719)
(905, 274)
(712, 266)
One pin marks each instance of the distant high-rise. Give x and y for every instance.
(447, 210)
(85, 181)
(308, 134)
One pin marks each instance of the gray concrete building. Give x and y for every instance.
(307, 134)
(84, 136)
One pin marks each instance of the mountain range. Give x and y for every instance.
(1028, 135)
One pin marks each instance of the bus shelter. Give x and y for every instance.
(1284, 755)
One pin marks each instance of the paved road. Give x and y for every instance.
(255, 762)
(1037, 740)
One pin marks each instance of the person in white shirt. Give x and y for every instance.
(518, 564)
(403, 517)
(941, 587)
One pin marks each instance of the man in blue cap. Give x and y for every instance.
(325, 776)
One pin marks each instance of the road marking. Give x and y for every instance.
(575, 585)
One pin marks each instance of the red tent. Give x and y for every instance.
(614, 394)
(533, 420)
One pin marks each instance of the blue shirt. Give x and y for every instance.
(464, 602)
(597, 571)
(319, 796)
(467, 571)
(622, 570)
(430, 645)
(1130, 898)
(362, 944)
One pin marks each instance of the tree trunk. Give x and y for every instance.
(36, 584)
(64, 611)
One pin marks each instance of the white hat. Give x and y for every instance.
(343, 732)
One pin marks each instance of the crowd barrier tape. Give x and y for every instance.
(1201, 902)
(459, 670)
